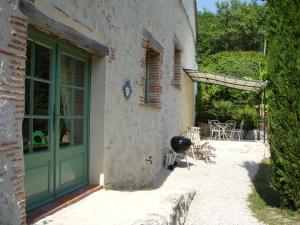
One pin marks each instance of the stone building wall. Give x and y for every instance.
(128, 132)
(13, 35)
(133, 132)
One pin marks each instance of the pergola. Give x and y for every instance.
(256, 86)
(236, 83)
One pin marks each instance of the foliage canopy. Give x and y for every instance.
(236, 26)
(212, 100)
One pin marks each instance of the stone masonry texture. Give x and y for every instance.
(13, 36)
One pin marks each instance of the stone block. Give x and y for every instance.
(172, 210)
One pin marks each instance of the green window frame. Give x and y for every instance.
(54, 170)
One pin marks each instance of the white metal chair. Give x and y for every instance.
(227, 134)
(237, 131)
(204, 151)
(215, 131)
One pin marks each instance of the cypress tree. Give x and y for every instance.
(284, 101)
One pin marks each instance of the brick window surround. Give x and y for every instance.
(177, 69)
(151, 78)
(176, 81)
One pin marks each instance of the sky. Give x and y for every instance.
(210, 4)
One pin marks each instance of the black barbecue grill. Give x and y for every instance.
(180, 144)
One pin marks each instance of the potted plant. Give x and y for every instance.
(249, 115)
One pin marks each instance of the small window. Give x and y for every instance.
(152, 77)
(176, 82)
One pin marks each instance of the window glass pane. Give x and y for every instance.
(78, 131)
(26, 136)
(42, 62)
(41, 98)
(65, 134)
(40, 135)
(66, 98)
(28, 58)
(27, 96)
(78, 102)
(66, 69)
(79, 73)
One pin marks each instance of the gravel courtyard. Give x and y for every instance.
(221, 196)
(222, 189)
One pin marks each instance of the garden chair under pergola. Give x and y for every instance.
(237, 131)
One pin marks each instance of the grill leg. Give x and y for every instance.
(187, 163)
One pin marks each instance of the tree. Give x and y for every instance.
(235, 26)
(284, 101)
(246, 65)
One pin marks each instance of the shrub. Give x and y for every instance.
(205, 116)
(284, 102)
(240, 64)
(248, 65)
(222, 110)
(247, 113)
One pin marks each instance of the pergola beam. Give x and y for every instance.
(232, 82)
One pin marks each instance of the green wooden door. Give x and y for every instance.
(71, 120)
(55, 126)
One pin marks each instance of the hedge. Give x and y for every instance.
(284, 100)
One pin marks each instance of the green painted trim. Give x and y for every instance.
(45, 158)
(71, 117)
(66, 152)
(38, 79)
(37, 117)
(72, 86)
(88, 117)
(55, 153)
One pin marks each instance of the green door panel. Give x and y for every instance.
(41, 185)
(39, 179)
(55, 125)
(71, 170)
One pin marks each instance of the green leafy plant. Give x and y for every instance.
(247, 113)
(222, 110)
(241, 64)
(236, 26)
(237, 64)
